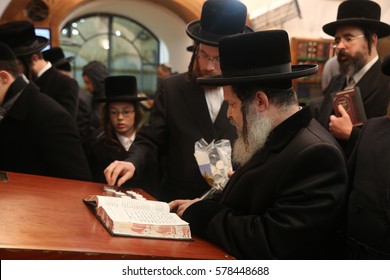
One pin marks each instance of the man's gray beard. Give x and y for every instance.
(259, 128)
(352, 65)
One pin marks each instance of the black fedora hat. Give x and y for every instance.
(20, 37)
(386, 65)
(219, 18)
(121, 89)
(56, 56)
(362, 13)
(6, 53)
(261, 57)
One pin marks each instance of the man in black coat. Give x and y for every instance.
(369, 203)
(18, 35)
(286, 199)
(356, 31)
(37, 135)
(185, 112)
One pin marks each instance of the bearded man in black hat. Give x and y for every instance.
(21, 38)
(356, 32)
(37, 135)
(185, 112)
(286, 199)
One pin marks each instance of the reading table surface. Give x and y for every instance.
(45, 218)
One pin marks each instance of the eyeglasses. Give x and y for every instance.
(124, 113)
(206, 57)
(347, 39)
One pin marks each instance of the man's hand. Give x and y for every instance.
(180, 205)
(119, 172)
(341, 127)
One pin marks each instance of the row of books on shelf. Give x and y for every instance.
(313, 50)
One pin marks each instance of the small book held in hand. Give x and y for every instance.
(125, 216)
(351, 100)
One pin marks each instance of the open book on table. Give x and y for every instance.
(139, 218)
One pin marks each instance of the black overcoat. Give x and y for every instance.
(286, 202)
(37, 136)
(369, 205)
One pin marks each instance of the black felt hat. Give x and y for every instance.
(386, 65)
(20, 37)
(6, 53)
(219, 18)
(261, 57)
(56, 56)
(121, 89)
(363, 13)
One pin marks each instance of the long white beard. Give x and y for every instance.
(259, 128)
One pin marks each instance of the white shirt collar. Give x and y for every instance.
(214, 99)
(44, 69)
(125, 141)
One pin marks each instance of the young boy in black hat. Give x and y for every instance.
(20, 37)
(184, 112)
(356, 33)
(122, 117)
(286, 199)
(37, 135)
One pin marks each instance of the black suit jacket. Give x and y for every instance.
(375, 90)
(101, 152)
(369, 206)
(61, 88)
(285, 202)
(39, 137)
(178, 119)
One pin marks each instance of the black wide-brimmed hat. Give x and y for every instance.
(20, 37)
(121, 89)
(261, 57)
(219, 18)
(386, 65)
(6, 53)
(56, 56)
(363, 13)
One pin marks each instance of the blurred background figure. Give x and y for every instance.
(83, 115)
(94, 74)
(331, 68)
(164, 70)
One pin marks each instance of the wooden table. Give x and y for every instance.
(45, 218)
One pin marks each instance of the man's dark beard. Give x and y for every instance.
(198, 74)
(259, 128)
(352, 65)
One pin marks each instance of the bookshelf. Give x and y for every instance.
(310, 51)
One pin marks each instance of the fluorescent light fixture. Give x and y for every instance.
(274, 13)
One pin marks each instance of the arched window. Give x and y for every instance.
(125, 46)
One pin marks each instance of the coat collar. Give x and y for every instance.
(278, 139)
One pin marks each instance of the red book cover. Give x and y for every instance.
(352, 102)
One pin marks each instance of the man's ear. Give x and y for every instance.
(261, 101)
(3, 77)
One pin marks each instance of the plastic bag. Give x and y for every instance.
(214, 161)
